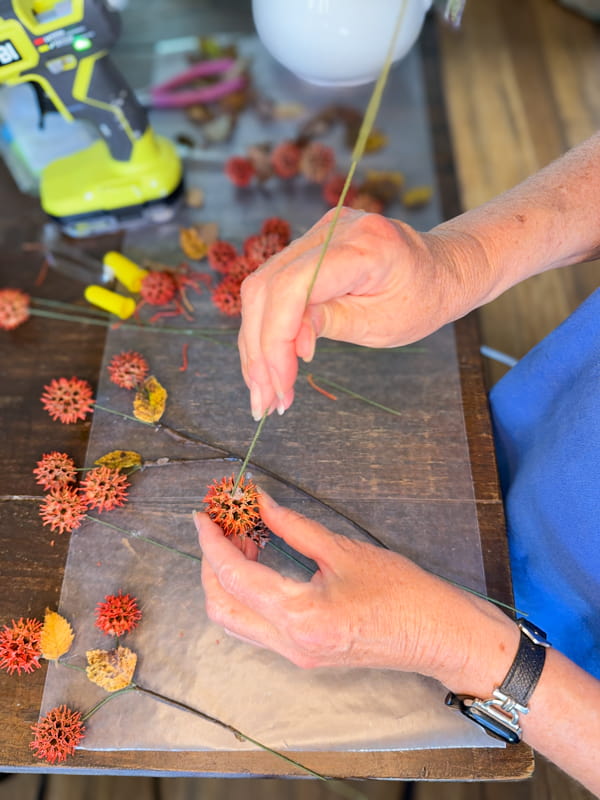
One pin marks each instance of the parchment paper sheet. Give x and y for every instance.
(398, 477)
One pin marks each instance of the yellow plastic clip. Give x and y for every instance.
(126, 271)
(122, 307)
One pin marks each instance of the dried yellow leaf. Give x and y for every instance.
(288, 110)
(383, 185)
(150, 400)
(192, 244)
(56, 636)
(391, 176)
(120, 459)
(111, 669)
(417, 196)
(376, 140)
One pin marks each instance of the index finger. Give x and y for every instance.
(271, 380)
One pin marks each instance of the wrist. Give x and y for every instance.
(483, 651)
(463, 268)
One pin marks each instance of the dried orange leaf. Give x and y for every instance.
(192, 244)
(120, 459)
(56, 636)
(111, 669)
(150, 400)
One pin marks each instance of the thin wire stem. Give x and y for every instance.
(105, 700)
(291, 556)
(45, 301)
(361, 140)
(357, 396)
(134, 535)
(249, 453)
(122, 414)
(480, 594)
(201, 333)
(216, 721)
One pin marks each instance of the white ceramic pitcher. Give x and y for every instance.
(336, 42)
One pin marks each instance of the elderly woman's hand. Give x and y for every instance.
(381, 284)
(364, 607)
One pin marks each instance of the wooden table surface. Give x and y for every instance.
(31, 575)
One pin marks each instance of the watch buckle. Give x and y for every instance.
(502, 709)
(533, 633)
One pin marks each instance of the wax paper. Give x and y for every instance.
(356, 468)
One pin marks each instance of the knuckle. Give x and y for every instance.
(376, 226)
(251, 286)
(214, 611)
(289, 517)
(229, 578)
(279, 283)
(314, 639)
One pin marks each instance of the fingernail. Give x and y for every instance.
(255, 401)
(280, 408)
(276, 381)
(308, 357)
(196, 516)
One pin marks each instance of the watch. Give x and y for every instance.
(499, 715)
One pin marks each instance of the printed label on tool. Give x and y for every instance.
(8, 53)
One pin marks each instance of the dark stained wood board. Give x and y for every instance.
(32, 571)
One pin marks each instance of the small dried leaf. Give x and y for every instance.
(56, 636)
(192, 244)
(218, 130)
(120, 459)
(384, 185)
(417, 196)
(194, 197)
(111, 669)
(150, 400)
(235, 101)
(210, 47)
(392, 176)
(198, 114)
(209, 231)
(288, 110)
(376, 141)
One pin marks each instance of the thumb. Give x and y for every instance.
(304, 535)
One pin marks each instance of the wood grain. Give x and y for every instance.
(521, 87)
(562, 62)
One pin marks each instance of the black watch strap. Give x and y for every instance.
(499, 715)
(526, 669)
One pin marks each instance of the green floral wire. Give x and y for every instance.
(359, 148)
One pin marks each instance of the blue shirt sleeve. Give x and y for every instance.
(546, 417)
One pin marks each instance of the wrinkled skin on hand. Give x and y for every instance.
(364, 607)
(381, 284)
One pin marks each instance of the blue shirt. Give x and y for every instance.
(546, 415)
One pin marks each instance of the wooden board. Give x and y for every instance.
(35, 579)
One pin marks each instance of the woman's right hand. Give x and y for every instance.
(381, 284)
